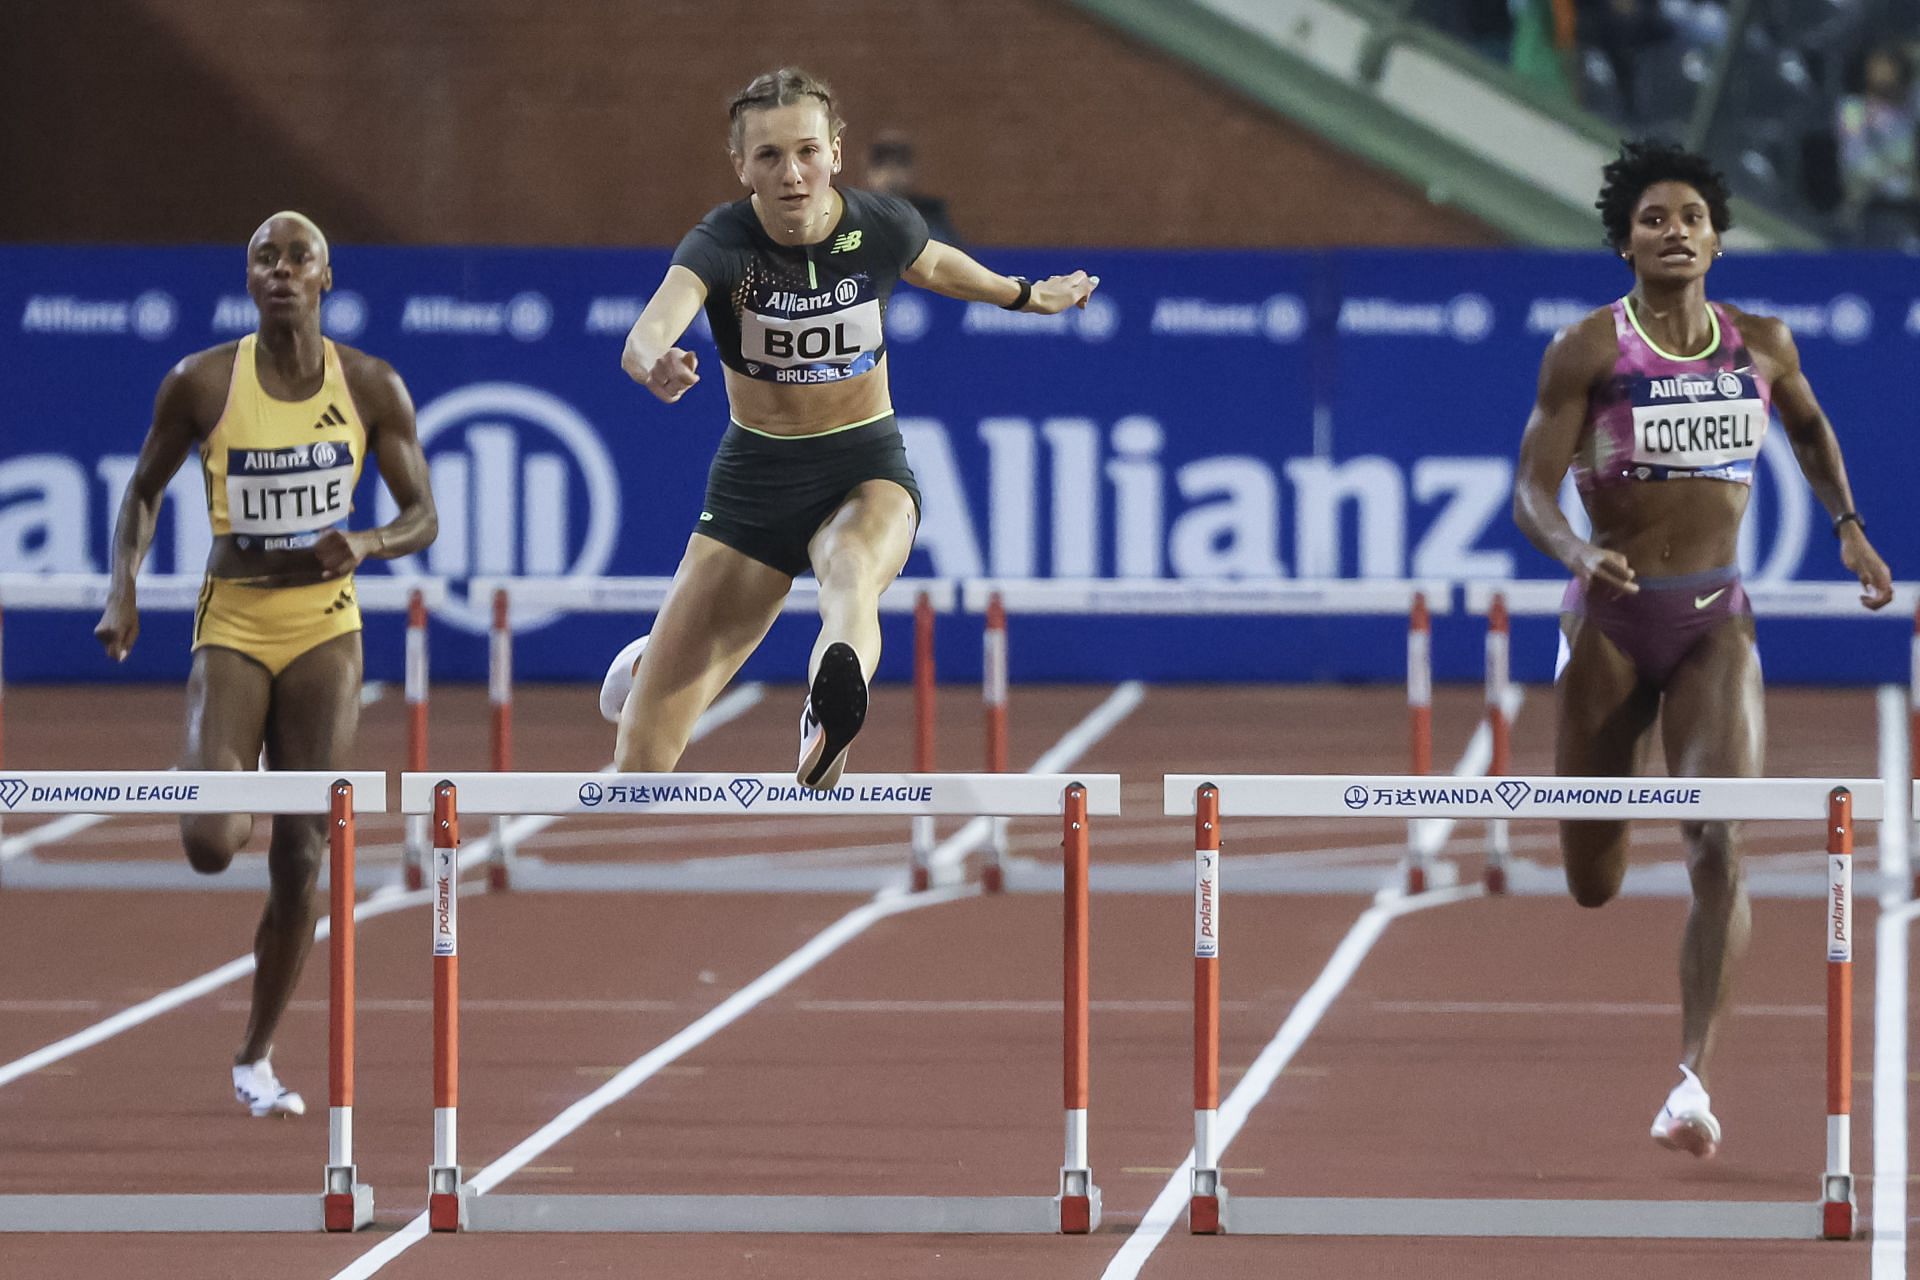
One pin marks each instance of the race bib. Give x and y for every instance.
(800, 336)
(286, 493)
(1698, 422)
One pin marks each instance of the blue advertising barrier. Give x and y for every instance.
(1209, 415)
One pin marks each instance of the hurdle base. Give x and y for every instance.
(1078, 1202)
(832, 1215)
(1837, 1208)
(1207, 1204)
(175, 1213)
(351, 1209)
(1540, 1219)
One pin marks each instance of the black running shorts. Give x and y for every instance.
(768, 495)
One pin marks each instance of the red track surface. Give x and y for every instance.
(922, 1058)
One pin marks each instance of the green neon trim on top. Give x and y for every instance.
(1713, 321)
(830, 431)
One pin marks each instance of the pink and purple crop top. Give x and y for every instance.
(1667, 417)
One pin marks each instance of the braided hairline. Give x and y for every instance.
(780, 88)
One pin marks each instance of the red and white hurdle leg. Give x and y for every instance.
(1420, 727)
(500, 706)
(444, 1188)
(994, 690)
(924, 831)
(416, 687)
(1079, 1198)
(1836, 1188)
(1499, 648)
(1207, 1200)
(347, 1205)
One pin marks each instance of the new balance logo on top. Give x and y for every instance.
(331, 418)
(845, 243)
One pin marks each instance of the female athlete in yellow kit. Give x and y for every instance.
(282, 419)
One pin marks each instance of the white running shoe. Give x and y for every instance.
(1686, 1122)
(619, 681)
(264, 1095)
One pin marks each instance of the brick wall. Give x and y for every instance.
(602, 122)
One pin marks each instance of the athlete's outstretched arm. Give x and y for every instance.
(169, 439)
(650, 358)
(388, 413)
(1567, 374)
(945, 269)
(1818, 452)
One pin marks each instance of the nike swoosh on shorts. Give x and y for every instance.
(1701, 602)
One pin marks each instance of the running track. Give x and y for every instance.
(1481, 1048)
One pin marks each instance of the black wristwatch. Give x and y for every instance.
(1026, 291)
(1848, 517)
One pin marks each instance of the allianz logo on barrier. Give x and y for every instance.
(152, 315)
(1280, 319)
(504, 439)
(1098, 321)
(525, 316)
(1466, 317)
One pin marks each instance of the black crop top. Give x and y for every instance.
(800, 314)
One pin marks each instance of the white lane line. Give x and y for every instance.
(1890, 996)
(887, 903)
(1099, 723)
(1273, 1059)
(147, 1010)
(1430, 835)
(371, 691)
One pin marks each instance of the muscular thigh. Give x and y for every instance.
(1713, 722)
(721, 606)
(228, 696)
(878, 520)
(316, 707)
(1605, 710)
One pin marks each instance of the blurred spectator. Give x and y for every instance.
(1877, 130)
(1543, 45)
(890, 170)
(1621, 31)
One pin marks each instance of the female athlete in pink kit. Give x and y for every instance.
(1659, 403)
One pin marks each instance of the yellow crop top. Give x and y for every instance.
(281, 472)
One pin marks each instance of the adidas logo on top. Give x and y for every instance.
(331, 418)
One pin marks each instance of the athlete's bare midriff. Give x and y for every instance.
(1670, 527)
(806, 411)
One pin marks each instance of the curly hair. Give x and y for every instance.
(780, 88)
(1642, 164)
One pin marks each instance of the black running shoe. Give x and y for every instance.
(836, 708)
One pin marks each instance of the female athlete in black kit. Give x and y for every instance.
(812, 473)
(1662, 446)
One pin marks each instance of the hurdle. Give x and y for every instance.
(344, 1203)
(1535, 598)
(1417, 600)
(1838, 802)
(509, 598)
(454, 1205)
(180, 593)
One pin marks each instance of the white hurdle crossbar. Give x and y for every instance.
(1207, 797)
(344, 1204)
(180, 592)
(510, 598)
(453, 1204)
